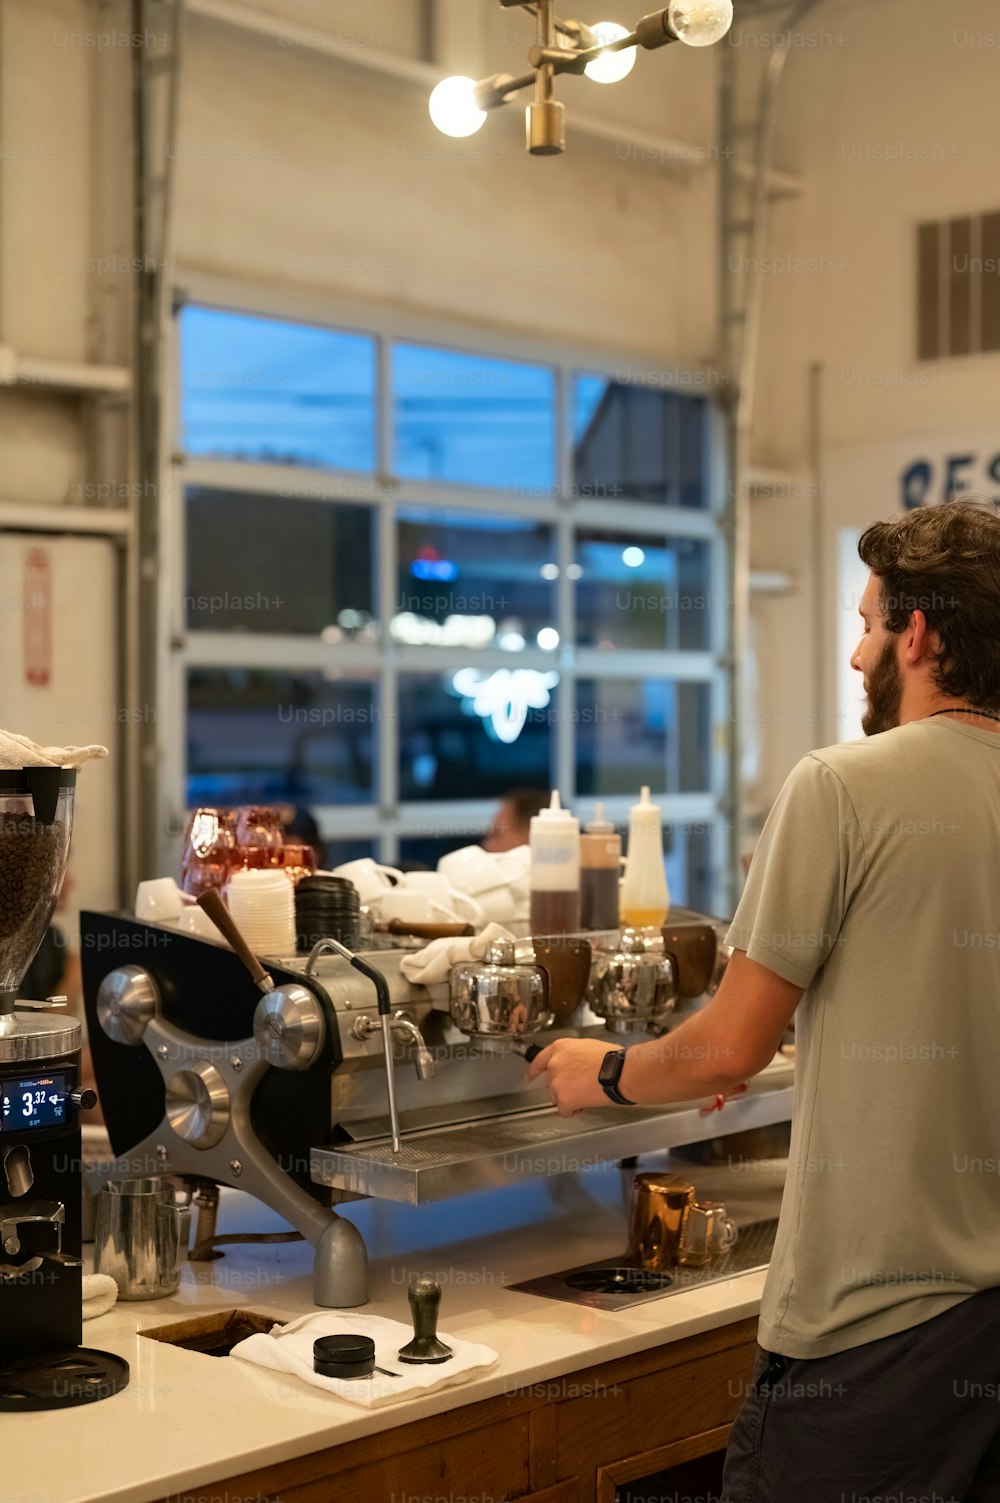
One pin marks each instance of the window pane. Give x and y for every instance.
(634, 443)
(473, 581)
(259, 389)
(274, 564)
(339, 852)
(473, 420)
(262, 736)
(688, 862)
(640, 592)
(453, 728)
(651, 731)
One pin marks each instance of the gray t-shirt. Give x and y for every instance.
(876, 885)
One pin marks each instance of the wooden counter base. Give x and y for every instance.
(571, 1440)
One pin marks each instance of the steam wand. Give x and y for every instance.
(385, 1012)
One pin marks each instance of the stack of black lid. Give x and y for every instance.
(327, 908)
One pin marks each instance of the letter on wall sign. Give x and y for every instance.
(954, 485)
(916, 484)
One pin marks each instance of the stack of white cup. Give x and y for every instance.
(261, 902)
(499, 881)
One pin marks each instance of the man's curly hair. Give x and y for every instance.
(945, 561)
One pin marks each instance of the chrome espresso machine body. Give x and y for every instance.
(201, 1075)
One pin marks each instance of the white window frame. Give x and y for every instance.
(387, 822)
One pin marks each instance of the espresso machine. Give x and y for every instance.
(42, 1363)
(321, 1078)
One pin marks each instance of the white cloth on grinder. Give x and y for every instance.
(434, 962)
(18, 751)
(99, 1294)
(289, 1349)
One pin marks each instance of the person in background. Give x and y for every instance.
(300, 826)
(512, 822)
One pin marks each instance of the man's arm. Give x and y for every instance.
(734, 1035)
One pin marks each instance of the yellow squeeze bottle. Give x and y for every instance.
(645, 900)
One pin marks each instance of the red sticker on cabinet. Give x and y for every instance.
(37, 617)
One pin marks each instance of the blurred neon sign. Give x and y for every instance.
(503, 698)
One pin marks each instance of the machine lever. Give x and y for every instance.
(217, 911)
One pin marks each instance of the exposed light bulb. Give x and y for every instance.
(453, 106)
(610, 66)
(699, 23)
(548, 638)
(633, 558)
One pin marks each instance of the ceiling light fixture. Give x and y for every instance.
(604, 52)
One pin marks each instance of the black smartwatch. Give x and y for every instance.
(609, 1075)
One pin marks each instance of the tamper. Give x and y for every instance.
(425, 1299)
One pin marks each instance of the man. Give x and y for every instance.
(511, 825)
(874, 897)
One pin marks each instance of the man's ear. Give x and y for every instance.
(924, 643)
(916, 637)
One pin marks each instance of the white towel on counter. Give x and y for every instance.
(289, 1349)
(434, 962)
(18, 751)
(99, 1294)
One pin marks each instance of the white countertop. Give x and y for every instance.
(187, 1420)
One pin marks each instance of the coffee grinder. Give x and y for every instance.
(42, 1363)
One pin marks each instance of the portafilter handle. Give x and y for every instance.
(212, 904)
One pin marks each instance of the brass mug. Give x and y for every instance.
(668, 1226)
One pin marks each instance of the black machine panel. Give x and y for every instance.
(207, 993)
(42, 1310)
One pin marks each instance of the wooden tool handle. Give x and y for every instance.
(221, 918)
(429, 930)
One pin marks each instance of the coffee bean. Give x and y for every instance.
(32, 862)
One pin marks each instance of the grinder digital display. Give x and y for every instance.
(39, 1101)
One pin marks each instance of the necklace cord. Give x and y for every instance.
(962, 710)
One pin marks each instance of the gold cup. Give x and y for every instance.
(667, 1226)
(660, 1205)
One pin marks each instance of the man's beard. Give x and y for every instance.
(885, 693)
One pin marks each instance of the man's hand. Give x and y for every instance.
(570, 1068)
(709, 1055)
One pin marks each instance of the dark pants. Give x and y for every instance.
(913, 1418)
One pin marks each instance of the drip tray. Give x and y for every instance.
(616, 1284)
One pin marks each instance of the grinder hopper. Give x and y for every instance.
(36, 821)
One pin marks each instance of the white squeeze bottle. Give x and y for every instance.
(645, 900)
(555, 870)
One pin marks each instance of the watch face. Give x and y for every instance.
(611, 1067)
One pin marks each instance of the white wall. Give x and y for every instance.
(65, 295)
(905, 79)
(63, 591)
(296, 172)
(303, 176)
